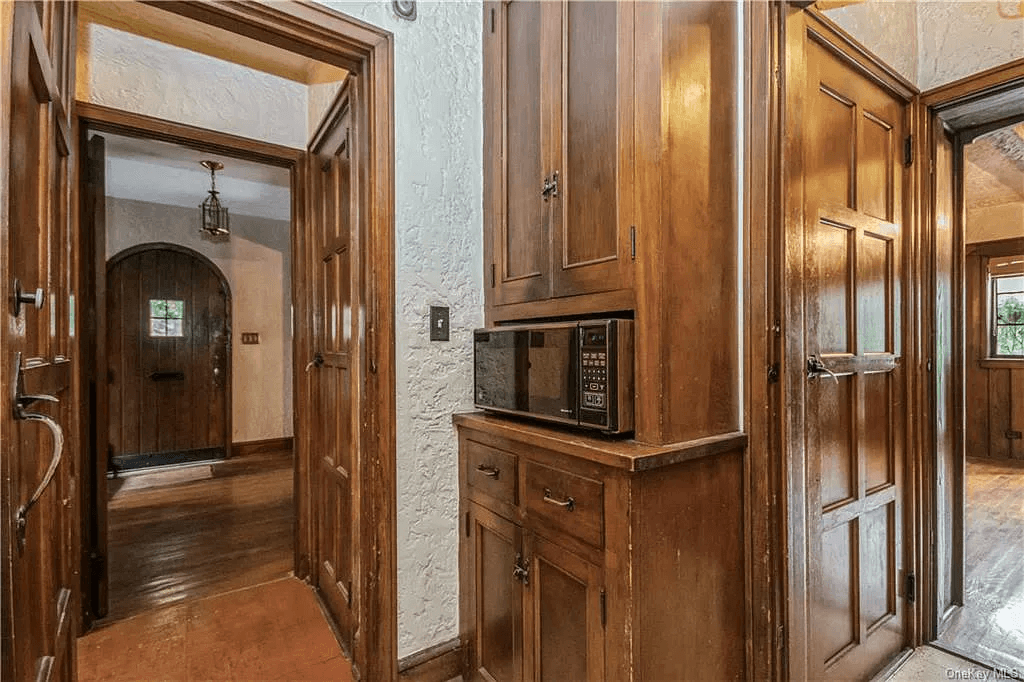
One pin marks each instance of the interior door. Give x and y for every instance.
(168, 358)
(847, 360)
(334, 444)
(38, 431)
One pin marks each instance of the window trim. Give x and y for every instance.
(165, 318)
(999, 268)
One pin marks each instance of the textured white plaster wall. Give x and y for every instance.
(144, 76)
(257, 263)
(889, 29)
(934, 42)
(959, 37)
(439, 228)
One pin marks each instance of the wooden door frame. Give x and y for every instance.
(969, 97)
(783, 428)
(367, 52)
(102, 367)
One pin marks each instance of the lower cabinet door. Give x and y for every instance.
(563, 621)
(497, 597)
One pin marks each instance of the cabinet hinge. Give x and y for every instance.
(492, 20)
(773, 373)
(908, 151)
(493, 268)
(911, 588)
(632, 242)
(604, 608)
(1013, 435)
(467, 524)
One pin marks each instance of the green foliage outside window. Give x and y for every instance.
(1008, 316)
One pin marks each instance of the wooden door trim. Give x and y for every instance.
(964, 94)
(794, 568)
(368, 52)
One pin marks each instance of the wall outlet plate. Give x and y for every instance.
(250, 338)
(438, 323)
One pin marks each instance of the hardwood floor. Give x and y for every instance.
(274, 631)
(199, 531)
(990, 626)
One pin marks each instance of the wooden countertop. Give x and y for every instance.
(621, 453)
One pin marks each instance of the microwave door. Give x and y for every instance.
(551, 382)
(500, 372)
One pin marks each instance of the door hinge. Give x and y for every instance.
(493, 268)
(492, 20)
(348, 592)
(632, 242)
(773, 373)
(467, 524)
(348, 143)
(908, 151)
(911, 588)
(604, 608)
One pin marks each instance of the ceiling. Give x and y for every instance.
(165, 173)
(994, 172)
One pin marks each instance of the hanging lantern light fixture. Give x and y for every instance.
(214, 215)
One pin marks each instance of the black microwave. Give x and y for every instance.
(578, 373)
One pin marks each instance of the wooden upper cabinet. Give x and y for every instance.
(558, 115)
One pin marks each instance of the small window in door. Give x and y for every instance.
(165, 317)
(1006, 277)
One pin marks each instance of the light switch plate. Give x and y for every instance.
(438, 323)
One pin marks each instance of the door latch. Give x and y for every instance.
(816, 368)
(550, 187)
(521, 570)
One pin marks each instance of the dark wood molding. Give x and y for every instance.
(976, 86)
(997, 247)
(438, 663)
(109, 119)
(252, 447)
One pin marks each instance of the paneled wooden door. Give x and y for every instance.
(334, 441)
(847, 382)
(38, 428)
(168, 357)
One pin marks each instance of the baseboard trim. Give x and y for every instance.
(438, 663)
(251, 447)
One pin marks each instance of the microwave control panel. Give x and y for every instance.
(594, 375)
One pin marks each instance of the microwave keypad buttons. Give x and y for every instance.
(594, 379)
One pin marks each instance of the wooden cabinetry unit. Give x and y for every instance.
(586, 558)
(558, 144)
(634, 105)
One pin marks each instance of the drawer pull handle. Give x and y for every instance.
(491, 472)
(568, 503)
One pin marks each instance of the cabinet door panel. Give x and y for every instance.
(563, 615)
(498, 644)
(590, 235)
(522, 243)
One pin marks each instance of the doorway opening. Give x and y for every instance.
(989, 625)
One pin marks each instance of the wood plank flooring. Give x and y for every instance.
(990, 626)
(185, 539)
(274, 631)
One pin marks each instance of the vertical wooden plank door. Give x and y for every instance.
(853, 439)
(38, 428)
(334, 442)
(168, 358)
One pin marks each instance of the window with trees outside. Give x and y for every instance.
(1006, 317)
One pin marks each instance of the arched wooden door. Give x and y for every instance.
(168, 357)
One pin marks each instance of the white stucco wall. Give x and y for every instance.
(144, 76)
(439, 234)
(934, 42)
(257, 263)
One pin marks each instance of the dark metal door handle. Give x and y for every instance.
(521, 570)
(35, 299)
(489, 471)
(816, 368)
(317, 361)
(568, 504)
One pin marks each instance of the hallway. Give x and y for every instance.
(273, 631)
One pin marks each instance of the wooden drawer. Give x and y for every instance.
(490, 471)
(569, 502)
